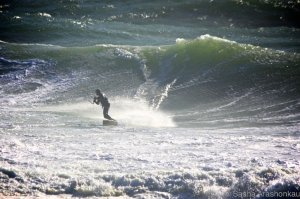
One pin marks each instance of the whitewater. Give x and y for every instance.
(207, 99)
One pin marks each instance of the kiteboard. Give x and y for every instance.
(110, 123)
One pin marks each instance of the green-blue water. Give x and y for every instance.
(219, 71)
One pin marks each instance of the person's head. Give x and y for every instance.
(98, 92)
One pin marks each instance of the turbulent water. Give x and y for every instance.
(206, 93)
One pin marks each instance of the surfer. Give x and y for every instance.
(101, 98)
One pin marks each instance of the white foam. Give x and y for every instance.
(180, 40)
(44, 14)
(207, 36)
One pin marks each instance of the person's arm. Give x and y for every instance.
(96, 100)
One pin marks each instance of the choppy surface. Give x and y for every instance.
(85, 160)
(206, 96)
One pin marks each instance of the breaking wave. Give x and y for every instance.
(205, 81)
(261, 183)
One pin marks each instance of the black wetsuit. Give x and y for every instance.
(105, 105)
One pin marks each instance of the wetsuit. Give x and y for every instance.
(105, 105)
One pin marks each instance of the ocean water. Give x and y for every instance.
(206, 93)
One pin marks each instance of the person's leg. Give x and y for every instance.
(105, 113)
